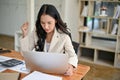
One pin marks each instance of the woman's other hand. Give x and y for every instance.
(24, 29)
(69, 71)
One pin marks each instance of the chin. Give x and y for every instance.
(47, 32)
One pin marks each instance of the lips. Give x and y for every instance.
(47, 30)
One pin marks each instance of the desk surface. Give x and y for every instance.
(79, 73)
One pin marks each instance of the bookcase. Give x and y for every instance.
(99, 32)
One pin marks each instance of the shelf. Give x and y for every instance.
(109, 36)
(105, 63)
(103, 0)
(118, 45)
(101, 45)
(118, 57)
(87, 59)
(100, 41)
(99, 33)
(105, 57)
(85, 55)
(100, 17)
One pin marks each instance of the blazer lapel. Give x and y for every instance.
(54, 41)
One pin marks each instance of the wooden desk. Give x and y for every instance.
(79, 73)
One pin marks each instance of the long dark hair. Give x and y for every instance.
(51, 11)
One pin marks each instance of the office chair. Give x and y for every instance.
(75, 46)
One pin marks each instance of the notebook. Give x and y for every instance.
(46, 62)
(9, 76)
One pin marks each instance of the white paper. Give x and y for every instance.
(20, 68)
(3, 58)
(41, 76)
(85, 11)
(117, 12)
(2, 69)
(114, 29)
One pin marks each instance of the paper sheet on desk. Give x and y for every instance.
(2, 69)
(41, 76)
(3, 58)
(19, 68)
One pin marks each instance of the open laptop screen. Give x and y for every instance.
(46, 62)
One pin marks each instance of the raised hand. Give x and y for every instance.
(24, 29)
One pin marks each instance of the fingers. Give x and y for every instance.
(69, 71)
(24, 28)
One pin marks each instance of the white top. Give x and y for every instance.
(47, 46)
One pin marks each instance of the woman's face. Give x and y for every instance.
(48, 23)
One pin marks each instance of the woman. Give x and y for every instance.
(49, 35)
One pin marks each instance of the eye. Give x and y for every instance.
(49, 23)
(42, 22)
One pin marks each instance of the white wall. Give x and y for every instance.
(72, 17)
(12, 15)
(14, 12)
(56, 3)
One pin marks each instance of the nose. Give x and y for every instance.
(46, 26)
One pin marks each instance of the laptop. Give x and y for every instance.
(56, 63)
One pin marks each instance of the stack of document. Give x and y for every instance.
(85, 11)
(114, 30)
(41, 76)
(117, 12)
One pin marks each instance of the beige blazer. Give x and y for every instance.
(60, 43)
